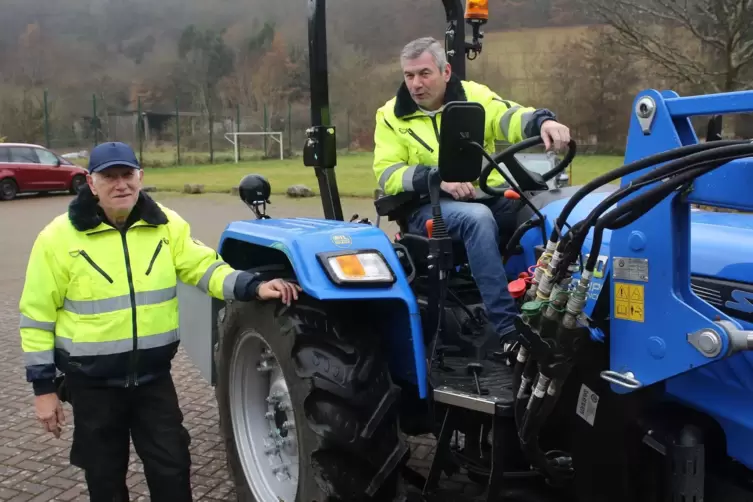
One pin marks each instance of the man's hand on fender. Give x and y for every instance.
(278, 288)
(459, 191)
(555, 135)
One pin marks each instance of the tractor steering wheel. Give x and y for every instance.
(525, 179)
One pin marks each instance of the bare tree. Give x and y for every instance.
(22, 117)
(591, 84)
(33, 61)
(706, 44)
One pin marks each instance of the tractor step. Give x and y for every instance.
(455, 384)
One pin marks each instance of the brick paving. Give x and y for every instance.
(34, 465)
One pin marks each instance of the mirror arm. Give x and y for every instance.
(440, 244)
(439, 228)
(514, 187)
(496, 166)
(440, 261)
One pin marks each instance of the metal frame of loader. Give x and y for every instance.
(320, 153)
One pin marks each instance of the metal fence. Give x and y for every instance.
(167, 136)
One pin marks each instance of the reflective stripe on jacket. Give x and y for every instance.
(407, 138)
(102, 304)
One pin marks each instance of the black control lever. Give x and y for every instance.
(476, 369)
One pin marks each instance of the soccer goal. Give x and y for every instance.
(234, 139)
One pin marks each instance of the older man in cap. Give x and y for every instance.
(99, 304)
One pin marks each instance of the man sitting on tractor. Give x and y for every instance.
(407, 145)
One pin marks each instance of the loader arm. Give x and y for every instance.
(650, 258)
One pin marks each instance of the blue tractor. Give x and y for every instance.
(631, 379)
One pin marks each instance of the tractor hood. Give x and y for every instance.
(722, 245)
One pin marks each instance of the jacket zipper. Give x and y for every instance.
(417, 138)
(154, 257)
(134, 353)
(96, 267)
(436, 128)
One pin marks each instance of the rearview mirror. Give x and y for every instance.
(462, 122)
(714, 129)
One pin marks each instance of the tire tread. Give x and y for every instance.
(350, 401)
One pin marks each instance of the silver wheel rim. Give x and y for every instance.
(263, 421)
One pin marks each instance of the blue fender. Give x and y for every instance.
(302, 239)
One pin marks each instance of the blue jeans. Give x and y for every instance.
(478, 224)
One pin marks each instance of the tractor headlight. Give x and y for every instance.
(364, 267)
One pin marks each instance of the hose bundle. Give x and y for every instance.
(685, 164)
(554, 333)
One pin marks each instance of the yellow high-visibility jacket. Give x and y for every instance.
(101, 305)
(407, 138)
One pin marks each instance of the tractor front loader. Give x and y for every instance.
(631, 378)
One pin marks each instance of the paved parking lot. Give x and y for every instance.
(34, 465)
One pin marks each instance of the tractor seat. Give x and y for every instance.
(397, 208)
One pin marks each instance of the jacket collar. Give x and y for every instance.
(85, 214)
(404, 104)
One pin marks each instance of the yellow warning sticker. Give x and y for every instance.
(622, 309)
(629, 302)
(622, 292)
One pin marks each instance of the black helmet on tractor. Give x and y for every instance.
(254, 190)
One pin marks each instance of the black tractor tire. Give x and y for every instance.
(8, 189)
(78, 182)
(343, 398)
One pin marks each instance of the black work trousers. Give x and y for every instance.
(104, 421)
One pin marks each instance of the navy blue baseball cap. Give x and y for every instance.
(111, 155)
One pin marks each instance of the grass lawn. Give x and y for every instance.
(166, 157)
(355, 177)
(586, 167)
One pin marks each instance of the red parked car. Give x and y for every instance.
(32, 168)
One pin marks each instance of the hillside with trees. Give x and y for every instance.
(212, 61)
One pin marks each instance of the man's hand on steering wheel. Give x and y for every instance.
(555, 135)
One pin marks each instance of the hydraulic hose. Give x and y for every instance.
(699, 158)
(565, 241)
(705, 161)
(605, 178)
(517, 381)
(528, 373)
(646, 202)
(670, 155)
(536, 416)
(618, 196)
(519, 232)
